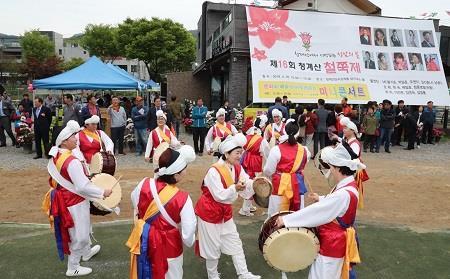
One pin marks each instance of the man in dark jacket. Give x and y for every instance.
(322, 128)
(27, 103)
(387, 119)
(6, 111)
(278, 105)
(410, 128)
(399, 117)
(429, 116)
(42, 119)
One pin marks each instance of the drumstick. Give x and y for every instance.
(117, 182)
(308, 184)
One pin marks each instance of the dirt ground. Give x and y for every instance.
(399, 193)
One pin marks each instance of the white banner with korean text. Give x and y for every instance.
(311, 55)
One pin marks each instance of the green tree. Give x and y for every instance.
(36, 46)
(163, 45)
(72, 63)
(101, 40)
(39, 56)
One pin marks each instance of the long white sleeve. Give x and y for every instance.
(264, 149)
(308, 153)
(214, 183)
(320, 213)
(234, 131)
(209, 139)
(248, 192)
(174, 143)
(83, 185)
(149, 147)
(272, 161)
(109, 145)
(188, 223)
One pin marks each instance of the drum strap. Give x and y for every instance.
(161, 208)
(223, 128)
(162, 135)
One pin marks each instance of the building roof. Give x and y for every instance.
(364, 5)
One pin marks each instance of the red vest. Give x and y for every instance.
(87, 147)
(332, 236)
(288, 154)
(252, 160)
(164, 241)
(212, 211)
(156, 140)
(218, 133)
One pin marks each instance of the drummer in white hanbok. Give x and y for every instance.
(160, 134)
(333, 215)
(276, 129)
(217, 233)
(165, 219)
(91, 140)
(67, 202)
(220, 130)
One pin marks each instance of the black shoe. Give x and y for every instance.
(406, 148)
(37, 157)
(3, 145)
(371, 151)
(387, 151)
(17, 145)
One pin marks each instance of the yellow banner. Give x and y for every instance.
(303, 90)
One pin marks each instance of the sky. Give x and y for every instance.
(69, 17)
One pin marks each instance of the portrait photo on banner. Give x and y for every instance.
(396, 37)
(426, 37)
(416, 62)
(412, 39)
(384, 61)
(369, 63)
(400, 62)
(380, 37)
(365, 35)
(432, 62)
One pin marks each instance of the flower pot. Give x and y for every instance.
(27, 147)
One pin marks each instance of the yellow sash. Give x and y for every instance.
(46, 202)
(93, 135)
(163, 135)
(252, 141)
(134, 241)
(285, 187)
(225, 172)
(359, 184)
(223, 128)
(351, 252)
(276, 134)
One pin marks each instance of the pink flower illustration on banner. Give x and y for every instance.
(269, 26)
(259, 54)
(306, 40)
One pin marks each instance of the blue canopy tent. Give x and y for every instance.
(121, 71)
(93, 74)
(153, 85)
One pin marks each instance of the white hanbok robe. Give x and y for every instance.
(209, 139)
(323, 212)
(174, 142)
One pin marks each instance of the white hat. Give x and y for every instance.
(187, 155)
(231, 142)
(72, 127)
(160, 113)
(339, 156)
(264, 120)
(220, 112)
(93, 120)
(345, 121)
(276, 112)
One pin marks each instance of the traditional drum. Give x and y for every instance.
(216, 143)
(158, 151)
(106, 206)
(103, 162)
(287, 249)
(263, 188)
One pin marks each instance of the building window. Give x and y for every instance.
(227, 20)
(133, 68)
(216, 33)
(124, 67)
(60, 51)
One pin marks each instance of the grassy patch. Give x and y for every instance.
(386, 253)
